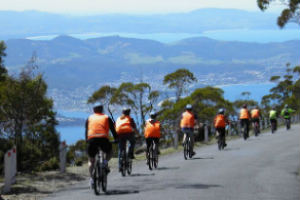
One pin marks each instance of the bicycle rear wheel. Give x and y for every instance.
(190, 148)
(129, 166)
(150, 164)
(123, 163)
(97, 179)
(104, 180)
(185, 150)
(155, 157)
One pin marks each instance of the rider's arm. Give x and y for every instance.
(112, 128)
(132, 124)
(86, 129)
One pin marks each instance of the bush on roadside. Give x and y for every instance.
(50, 164)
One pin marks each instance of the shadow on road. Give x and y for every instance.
(167, 168)
(197, 158)
(231, 149)
(121, 192)
(142, 174)
(196, 186)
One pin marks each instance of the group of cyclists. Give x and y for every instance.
(246, 118)
(124, 129)
(97, 129)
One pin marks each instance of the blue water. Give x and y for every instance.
(71, 134)
(231, 92)
(244, 35)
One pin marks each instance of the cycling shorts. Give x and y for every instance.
(94, 143)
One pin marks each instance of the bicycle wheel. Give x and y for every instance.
(245, 133)
(103, 179)
(150, 158)
(219, 143)
(155, 157)
(288, 124)
(256, 129)
(123, 163)
(96, 178)
(129, 166)
(185, 150)
(190, 148)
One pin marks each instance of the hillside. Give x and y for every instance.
(71, 64)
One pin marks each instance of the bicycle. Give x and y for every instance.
(187, 147)
(99, 173)
(273, 126)
(288, 123)
(256, 128)
(245, 132)
(152, 156)
(221, 141)
(126, 162)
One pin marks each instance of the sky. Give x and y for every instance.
(126, 6)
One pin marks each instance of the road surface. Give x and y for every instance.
(260, 168)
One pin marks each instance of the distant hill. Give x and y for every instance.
(74, 68)
(33, 23)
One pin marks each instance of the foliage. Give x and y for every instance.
(140, 98)
(290, 14)
(179, 81)
(287, 90)
(77, 153)
(28, 118)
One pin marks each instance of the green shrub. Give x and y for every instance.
(50, 164)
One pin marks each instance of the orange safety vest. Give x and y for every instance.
(123, 125)
(244, 114)
(220, 121)
(187, 120)
(255, 113)
(98, 126)
(152, 130)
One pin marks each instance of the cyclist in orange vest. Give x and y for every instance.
(97, 128)
(245, 118)
(220, 123)
(255, 115)
(187, 124)
(152, 131)
(125, 127)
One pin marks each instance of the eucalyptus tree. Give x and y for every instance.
(291, 12)
(179, 80)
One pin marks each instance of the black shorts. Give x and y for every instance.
(255, 120)
(94, 143)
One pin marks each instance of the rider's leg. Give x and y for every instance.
(156, 141)
(131, 139)
(91, 165)
(191, 134)
(183, 138)
(122, 145)
(148, 144)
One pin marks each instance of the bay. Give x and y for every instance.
(243, 35)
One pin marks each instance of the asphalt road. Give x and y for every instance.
(259, 168)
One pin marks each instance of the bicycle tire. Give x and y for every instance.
(185, 150)
(104, 180)
(150, 158)
(123, 163)
(129, 167)
(190, 153)
(96, 179)
(272, 127)
(155, 157)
